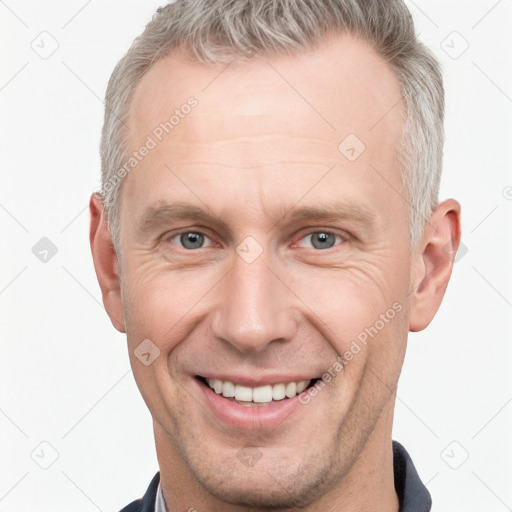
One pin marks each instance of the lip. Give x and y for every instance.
(250, 382)
(247, 417)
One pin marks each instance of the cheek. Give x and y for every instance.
(347, 300)
(361, 311)
(159, 303)
(355, 302)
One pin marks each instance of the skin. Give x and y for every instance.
(251, 152)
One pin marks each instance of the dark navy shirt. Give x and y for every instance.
(412, 494)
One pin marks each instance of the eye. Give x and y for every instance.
(189, 239)
(322, 239)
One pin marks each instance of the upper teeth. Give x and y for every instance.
(259, 394)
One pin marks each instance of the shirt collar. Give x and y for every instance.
(160, 501)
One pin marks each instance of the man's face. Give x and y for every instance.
(264, 292)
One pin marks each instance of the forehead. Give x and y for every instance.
(342, 84)
(271, 124)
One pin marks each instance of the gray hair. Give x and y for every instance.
(220, 31)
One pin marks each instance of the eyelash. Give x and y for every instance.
(325, 231)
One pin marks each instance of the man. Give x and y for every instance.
(267, 234)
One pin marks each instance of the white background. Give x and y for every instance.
(64, 371)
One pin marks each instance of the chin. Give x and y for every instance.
(264, 493)
(274, 482)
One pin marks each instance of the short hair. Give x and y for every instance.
(221, 31)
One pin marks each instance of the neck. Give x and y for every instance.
(369, 485)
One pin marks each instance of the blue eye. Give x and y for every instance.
(322, 239)
(191, 239)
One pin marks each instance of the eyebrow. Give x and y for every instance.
(158, 217)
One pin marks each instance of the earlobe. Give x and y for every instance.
(434, 259)
(105, 262)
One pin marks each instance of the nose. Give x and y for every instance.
(255, 308)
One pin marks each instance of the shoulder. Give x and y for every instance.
(412, 493)
(147, 502)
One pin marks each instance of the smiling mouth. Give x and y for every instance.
(257, 396)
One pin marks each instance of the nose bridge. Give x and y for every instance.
(254, 309)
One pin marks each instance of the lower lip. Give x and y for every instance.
(249, 417)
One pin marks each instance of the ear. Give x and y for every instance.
(433, 263)
(105, 262)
